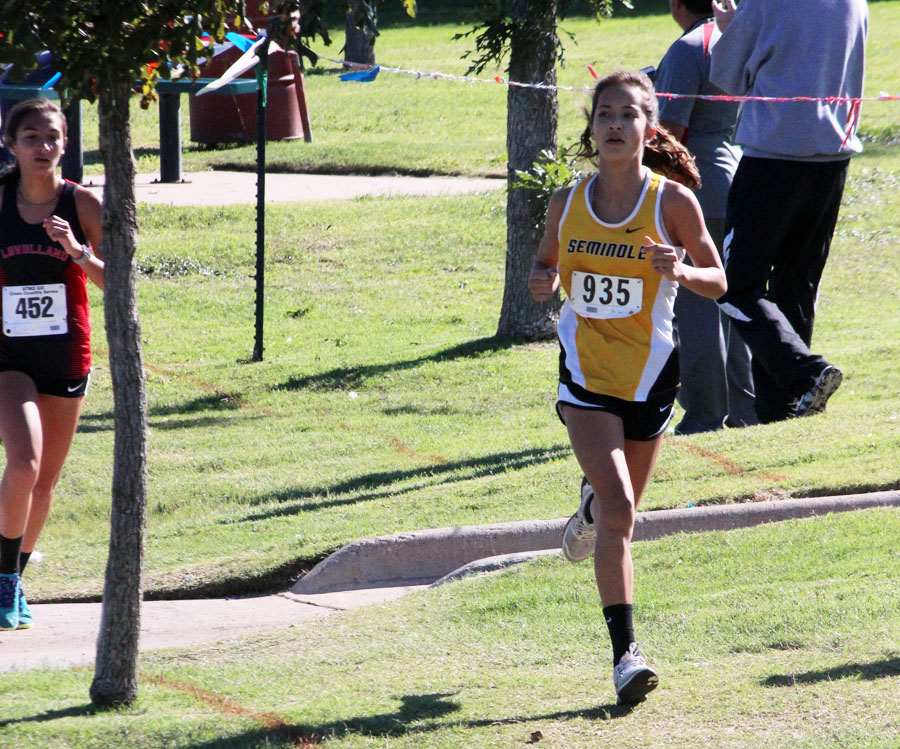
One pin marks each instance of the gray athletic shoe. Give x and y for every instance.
(813, 401)
(633, 678)
(578, 537)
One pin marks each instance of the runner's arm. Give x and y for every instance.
(543, 279)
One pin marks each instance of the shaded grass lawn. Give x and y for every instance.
(780, 635)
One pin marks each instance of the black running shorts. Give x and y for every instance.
(642, 420)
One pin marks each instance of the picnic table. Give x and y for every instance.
(170, 117)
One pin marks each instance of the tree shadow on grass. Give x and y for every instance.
(610, 711)
(345, 377)
(104, 422)
(418, 714)
(76, 711)
(413, 709)
(371, 486)
(868, 671)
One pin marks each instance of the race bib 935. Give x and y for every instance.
(605, 297)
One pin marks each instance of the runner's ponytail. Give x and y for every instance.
(666, 156)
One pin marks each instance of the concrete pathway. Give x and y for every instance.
(65, 634)
(224, 188)
(372, 571)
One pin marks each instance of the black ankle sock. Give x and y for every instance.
(588, 515)
(621, 628)
(9, 555)
(24, 556)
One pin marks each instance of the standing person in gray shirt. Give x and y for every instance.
(784, 201)
(716, 382)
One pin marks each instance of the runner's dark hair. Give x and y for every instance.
(699, 6)
(14, 121)
(662, 153)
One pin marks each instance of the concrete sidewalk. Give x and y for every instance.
(372, 571)
(65, 634)
(225, 188)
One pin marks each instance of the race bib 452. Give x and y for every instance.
(34, 310)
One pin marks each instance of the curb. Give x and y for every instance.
(423, 557)
(492, 564)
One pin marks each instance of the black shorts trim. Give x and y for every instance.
(76, 388)
(642, 421)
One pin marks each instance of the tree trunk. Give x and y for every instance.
(116, 668)
(530, 128)
(359, 45)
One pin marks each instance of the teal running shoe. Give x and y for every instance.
(26, 618)
(9, 602)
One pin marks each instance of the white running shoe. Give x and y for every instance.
(578, 537)
(633, 678)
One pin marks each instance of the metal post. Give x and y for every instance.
(170, 137)
(262, 68)
(73, 158)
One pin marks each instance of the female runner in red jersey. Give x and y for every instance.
(50, 235)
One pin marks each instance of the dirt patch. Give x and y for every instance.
(732, 468)
(271, 721)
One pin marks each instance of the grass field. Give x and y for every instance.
(406, 125)
(781, 635)
(385, 404)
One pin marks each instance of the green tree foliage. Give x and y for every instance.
(100, 42)
(494, 35)
(551, 172)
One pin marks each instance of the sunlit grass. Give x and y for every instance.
(780, 635)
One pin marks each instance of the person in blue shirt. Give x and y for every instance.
(716, 381)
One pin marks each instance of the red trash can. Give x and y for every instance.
(232, 118)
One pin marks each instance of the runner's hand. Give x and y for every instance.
(664, 258)
(58, 230)
(542, 282)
